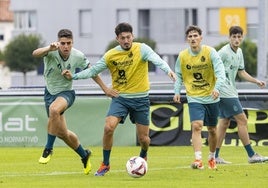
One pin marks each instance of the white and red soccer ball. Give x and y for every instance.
(136, 167)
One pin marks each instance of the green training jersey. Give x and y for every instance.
(54, 64)
(233, 62)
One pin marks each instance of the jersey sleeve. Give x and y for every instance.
(92, 71)
(218, 68)
(178, 82)
(149, 55)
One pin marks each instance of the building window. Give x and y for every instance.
(165, 25)
(122, 15)
(85, 23)
(2, 34)
(212, 18)
(252, 23)
(144, 23)
(25, 20)
(252, 31)
(190, 17)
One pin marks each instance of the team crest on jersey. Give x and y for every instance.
(203, 59)
(188, 67)
(68, 67)
(130, 55)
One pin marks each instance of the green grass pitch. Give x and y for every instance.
(167, 167)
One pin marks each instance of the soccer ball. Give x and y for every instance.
(136, 167)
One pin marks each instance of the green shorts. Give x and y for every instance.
(49, 99)
(137, 108)
(206, 112)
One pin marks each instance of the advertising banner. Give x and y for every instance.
(230, 17)
(23, 122)
(170, 124)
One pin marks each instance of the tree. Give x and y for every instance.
(1, 56)
(249, 49)
(147, 41)
(18, 53)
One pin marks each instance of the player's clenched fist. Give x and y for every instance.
(54, 46)
(67, 74)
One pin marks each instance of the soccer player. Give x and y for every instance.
(201, 70)
(230, 106)
(59, 95)
(128, 66)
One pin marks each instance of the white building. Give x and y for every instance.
(164, 21)
(6, 23)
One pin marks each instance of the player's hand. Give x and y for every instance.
(172, 75)
(177, 98)
(111, 92)
(54, 46)
(67, 74)
(261, 84)
(215, 94)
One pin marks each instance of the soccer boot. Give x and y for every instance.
(45, 158)
(221, 161)
(256, 158)
(212, 164)
(197, 164)
(102, 170)
(86, 162)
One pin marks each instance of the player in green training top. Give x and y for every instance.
(201, 70)
(128, 66)
(230, 106)
(59, 94)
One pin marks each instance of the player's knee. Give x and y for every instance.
(212, 131)
(108, 129)
(242, 123)
(144, 140)
(197, 127)
(53, 112)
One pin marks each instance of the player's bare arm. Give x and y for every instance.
(108, 91)
(261, 84)
(172, 75)
(41, 52)
(245, 76)
(177, 98)
(215, 94)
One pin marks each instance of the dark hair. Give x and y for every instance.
(65, 33)
(235, 30)
(193, 28)
(123, 27)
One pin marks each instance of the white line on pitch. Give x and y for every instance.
(60, 173)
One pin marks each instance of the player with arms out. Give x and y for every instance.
(201, 70)
(59, 94)
(128, 66)
(230, 106)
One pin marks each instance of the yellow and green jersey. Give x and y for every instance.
(200, 72)
(128, 69)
